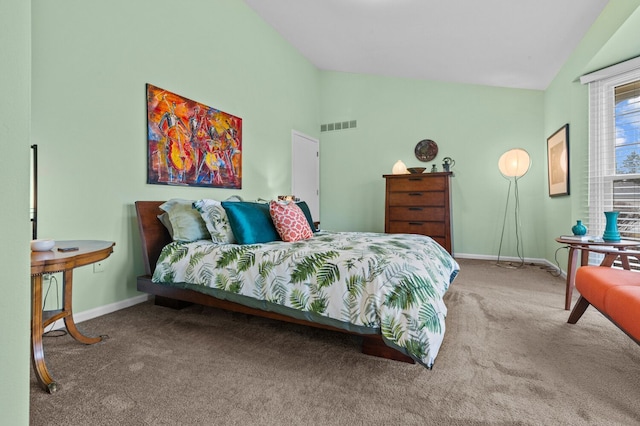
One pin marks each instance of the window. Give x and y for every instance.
(614, 147)
(626, 185)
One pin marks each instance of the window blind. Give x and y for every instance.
(614, 148)
(614, 151)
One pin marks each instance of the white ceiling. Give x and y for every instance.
(507, 43)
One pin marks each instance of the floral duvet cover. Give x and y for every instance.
(391, 284)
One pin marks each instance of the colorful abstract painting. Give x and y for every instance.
(190, 143)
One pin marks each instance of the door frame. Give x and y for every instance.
(295, 135)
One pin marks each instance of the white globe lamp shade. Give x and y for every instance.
(514, 163)
(399, 168)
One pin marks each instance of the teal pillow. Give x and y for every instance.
(186, 222)
(250, 222)
(307, 213)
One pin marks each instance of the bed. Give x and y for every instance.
(386, 288)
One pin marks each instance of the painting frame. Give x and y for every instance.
(558, 162)
(191, 144)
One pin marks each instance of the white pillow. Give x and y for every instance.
(186, 222)
(216, 221)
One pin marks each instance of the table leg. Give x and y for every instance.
(584, 257)
(68, 309)
(572, 266)
(37, 329)
(610, 258)
(625, 261)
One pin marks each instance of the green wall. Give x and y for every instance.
(472, 124)
(91, 61)
(612, 39)
(15, 308)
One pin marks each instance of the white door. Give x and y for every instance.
(305, 171)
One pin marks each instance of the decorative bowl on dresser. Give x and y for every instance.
(416, 170)
(420, 204)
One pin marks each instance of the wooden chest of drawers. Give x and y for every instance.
(419, 204)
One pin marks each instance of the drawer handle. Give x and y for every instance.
(419, 209)
(415, 194)
(415, 179)
(415, 223)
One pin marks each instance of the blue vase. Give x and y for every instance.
(579, 229)
(611, 233)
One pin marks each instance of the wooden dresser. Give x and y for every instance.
(420, 204)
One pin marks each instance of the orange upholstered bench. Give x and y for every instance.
(614, 292)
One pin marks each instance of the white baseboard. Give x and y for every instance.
(543, 262)
(101, 310)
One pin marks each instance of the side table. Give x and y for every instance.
(48, 262)
(572, 263)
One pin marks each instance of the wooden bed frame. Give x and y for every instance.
(154, 236)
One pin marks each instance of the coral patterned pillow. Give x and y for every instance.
(290, 221)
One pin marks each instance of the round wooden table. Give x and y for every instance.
(49, 262)
(572, 263)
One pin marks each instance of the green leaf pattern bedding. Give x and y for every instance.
(387, 283)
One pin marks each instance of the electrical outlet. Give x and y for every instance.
(98, 267)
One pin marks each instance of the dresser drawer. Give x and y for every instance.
(416, 198)
(416, 213)
(417, 183)
(432, 229)
(419, 204)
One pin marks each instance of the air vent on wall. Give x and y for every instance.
(341, 125)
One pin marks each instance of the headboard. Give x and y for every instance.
(153, 234)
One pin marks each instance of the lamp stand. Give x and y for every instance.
(518, 228)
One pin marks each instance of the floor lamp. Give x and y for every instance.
(513, 164)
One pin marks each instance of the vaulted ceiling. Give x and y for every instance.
(507, 43)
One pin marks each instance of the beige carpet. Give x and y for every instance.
(509, 357)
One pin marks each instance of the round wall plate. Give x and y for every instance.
(426, 150)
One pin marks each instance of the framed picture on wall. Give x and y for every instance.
(190, 143)
(558, 162)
